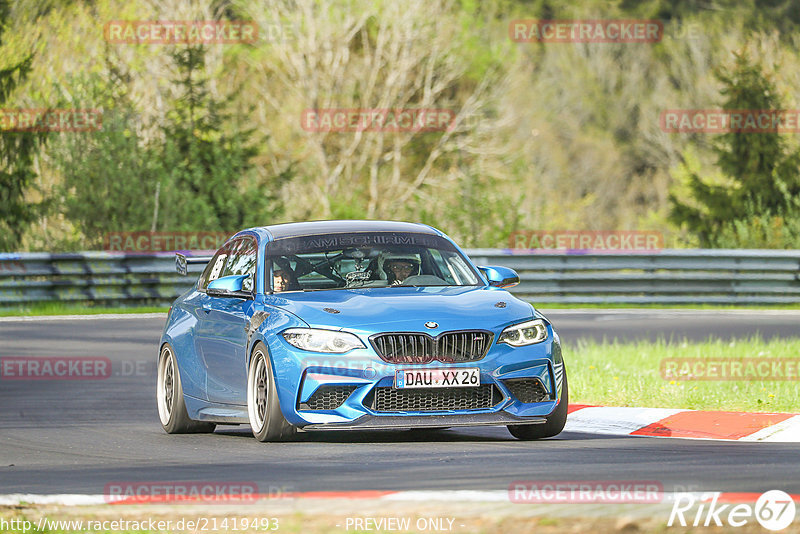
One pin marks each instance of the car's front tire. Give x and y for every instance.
(169, 397)
(263, 406)
(555, 421)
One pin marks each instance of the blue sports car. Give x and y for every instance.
(356, 325)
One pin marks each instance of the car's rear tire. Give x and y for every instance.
(555, 421)
(169, 396)
(263, 406)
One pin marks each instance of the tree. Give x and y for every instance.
(760, 172)
(372, 56)
(193, 171)
(108, 177)
(211, 179)
(17, 153)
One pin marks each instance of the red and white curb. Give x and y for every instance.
(676, 423)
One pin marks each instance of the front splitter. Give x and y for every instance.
(382, 422)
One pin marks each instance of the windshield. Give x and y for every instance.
(367, 259)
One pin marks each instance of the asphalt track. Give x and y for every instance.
(79, 436)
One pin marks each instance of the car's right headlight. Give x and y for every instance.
(319, 340)
(527, 333)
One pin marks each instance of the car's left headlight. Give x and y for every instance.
(526, 333)
(319, 340)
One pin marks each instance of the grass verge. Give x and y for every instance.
(334, 516)
(61, 308)
(629, 374)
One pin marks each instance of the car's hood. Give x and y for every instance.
(405, 308)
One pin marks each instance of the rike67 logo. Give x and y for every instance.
(774, 510)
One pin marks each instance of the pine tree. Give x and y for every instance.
(195, 176)
(213, 179)
(17, 153)
(762, 175)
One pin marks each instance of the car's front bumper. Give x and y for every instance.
(300, 374)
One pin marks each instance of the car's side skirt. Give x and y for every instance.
(202, 410)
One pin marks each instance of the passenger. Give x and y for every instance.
(280, 280)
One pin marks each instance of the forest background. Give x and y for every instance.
(546, 136)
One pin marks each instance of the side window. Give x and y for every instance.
(217, 264)
(242, 260)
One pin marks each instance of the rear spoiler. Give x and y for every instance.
(182, 262)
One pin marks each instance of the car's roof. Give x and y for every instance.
(296, 229)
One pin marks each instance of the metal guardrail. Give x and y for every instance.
(104, 277)
(667, 277)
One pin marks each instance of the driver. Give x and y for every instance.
(398, 268)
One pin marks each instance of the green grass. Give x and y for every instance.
(61, 308)
(629, 374)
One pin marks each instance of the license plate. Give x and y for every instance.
(437, 378)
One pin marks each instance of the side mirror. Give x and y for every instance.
(230, 286)
(182, 262)
(502, 277)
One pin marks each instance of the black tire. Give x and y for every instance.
(263, 407)
(169, 397)
(555, 421)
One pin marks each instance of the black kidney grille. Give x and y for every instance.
(405, 348)
(450, 347)
(388, 399)
(526, 389)
(328, 397)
